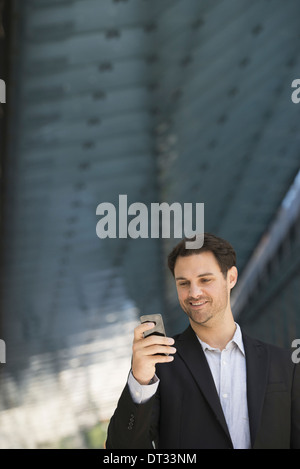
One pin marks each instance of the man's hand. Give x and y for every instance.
(144, 356)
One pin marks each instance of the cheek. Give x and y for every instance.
(182, 295)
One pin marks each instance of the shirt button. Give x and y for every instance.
(225, 395)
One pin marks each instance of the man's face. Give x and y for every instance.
(203, 291)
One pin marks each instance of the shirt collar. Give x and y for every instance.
(236, 339)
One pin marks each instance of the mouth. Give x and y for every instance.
(197, 304)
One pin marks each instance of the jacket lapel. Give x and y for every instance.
(190, 350)
(257, 362)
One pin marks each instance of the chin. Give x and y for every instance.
(197, 318)
(201, 321)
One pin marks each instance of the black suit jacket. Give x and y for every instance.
(186, 410)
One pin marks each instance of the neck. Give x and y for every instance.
(216, 335)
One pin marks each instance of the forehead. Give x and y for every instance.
(196, 264)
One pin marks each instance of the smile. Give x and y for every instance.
(198, 303)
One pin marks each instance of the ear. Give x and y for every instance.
(232, 276)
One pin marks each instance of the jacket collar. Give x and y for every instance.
(191, 352)
(257, 363)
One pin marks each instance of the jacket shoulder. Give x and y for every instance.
(275, 352)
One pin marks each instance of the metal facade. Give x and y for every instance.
(164, 101)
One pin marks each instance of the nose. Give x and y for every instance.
(195, 291)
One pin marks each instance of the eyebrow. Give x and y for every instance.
(200, 275)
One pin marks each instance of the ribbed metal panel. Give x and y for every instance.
(163, 101)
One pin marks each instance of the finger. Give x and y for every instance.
(139, 330)
(158, 349)
(162, 359)
(157, 340)
(141, 344)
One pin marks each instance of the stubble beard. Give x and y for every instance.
(209, 311)
(198, 317)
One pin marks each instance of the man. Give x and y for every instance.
(217, 388)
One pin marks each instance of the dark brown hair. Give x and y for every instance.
(222, 250)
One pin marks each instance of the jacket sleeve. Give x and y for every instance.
(295, 430)
(133, 426)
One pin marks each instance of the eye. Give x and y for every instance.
(205, 280)
(183, 284)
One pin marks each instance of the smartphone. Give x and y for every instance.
(159, 328)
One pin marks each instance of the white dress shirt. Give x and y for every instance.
(228, 368)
